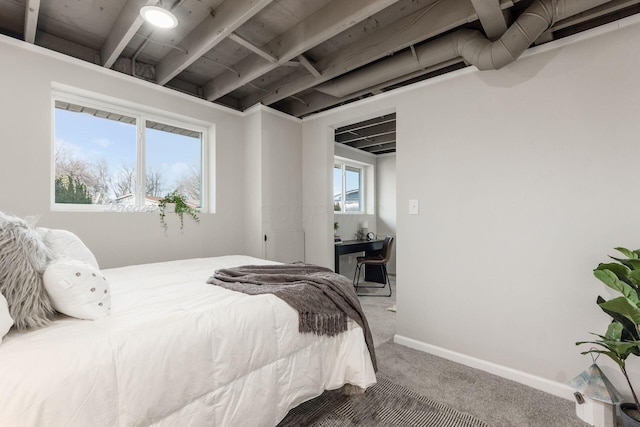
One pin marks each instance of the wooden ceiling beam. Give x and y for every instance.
(327, 22)
(129, 21)
(31, 12)
(426, 23)
(228, 17)
(378, 129)
(253, 48)
(361, 126)
(384, 147)
(308, 65)
(368, 141)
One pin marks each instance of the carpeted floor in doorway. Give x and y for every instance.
(385, 404)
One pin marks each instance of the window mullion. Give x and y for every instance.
(344, 187)
(141, 176)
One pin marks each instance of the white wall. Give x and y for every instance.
(386, 202)
(282, 186)
(26, 78)
(525, 178)
(252, 171)
(274, 185)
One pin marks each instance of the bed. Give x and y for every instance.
(175, 351)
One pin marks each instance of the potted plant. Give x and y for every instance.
(336, 226)
(622, 338)
(178, 202)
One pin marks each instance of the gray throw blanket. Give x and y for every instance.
(322, 298)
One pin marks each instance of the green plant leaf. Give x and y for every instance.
(629, 331)
(626, 252)
(619, 269)
(614, 332)
(634, 278)
(627, 262)
(623, 306)
(610, 279)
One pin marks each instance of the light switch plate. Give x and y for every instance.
(414, 207)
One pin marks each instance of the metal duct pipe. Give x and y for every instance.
(471, 45)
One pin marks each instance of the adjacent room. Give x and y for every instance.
(319, 212)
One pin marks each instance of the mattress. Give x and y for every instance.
(175, 351)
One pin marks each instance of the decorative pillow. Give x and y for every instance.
(66, 244)
(77, 289)
(6, 322)
(23, 259)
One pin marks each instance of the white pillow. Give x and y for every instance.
(77, 289)
(6, 322)
(66, 244)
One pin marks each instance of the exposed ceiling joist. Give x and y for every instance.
(382, 148)
(491, 17)
(373, 141)
(423, 24)
(213, 29)
(350, 49)
(364, 126)
(308, 65)
(253, 48)
(128, 22)
(316, 101)
(31, 12)
(330, 20)
(373, 138)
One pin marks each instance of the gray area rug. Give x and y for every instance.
(385, 404)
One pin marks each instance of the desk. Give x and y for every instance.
(371, 273)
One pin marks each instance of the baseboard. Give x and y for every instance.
(552, 387)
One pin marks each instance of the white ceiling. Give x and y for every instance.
(283, 53)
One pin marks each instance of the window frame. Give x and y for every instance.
(141, 116)
(345, 163)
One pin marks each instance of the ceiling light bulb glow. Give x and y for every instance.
(158, 16)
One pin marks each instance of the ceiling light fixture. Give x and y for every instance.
(158, 16)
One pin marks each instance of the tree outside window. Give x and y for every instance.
(96, 158)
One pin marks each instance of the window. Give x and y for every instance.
(348, 187)
(109, 158)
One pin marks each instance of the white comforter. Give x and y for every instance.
(174, 352)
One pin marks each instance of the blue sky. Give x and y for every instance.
(90, 138)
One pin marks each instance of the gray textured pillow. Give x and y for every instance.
(23, 259)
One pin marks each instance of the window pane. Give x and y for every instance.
(337, 188)
(173, 163)
(353, 196)
(95, 154)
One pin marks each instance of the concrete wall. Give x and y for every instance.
(525, 181)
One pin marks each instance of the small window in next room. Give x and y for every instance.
(111, 158)
(348, 187)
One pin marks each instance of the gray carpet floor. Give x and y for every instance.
(495, 400)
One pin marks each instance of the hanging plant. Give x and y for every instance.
(181, 208)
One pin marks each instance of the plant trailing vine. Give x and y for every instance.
(182, 208)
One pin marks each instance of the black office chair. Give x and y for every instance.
(381, 259)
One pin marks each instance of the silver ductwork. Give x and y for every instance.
(471, 45)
